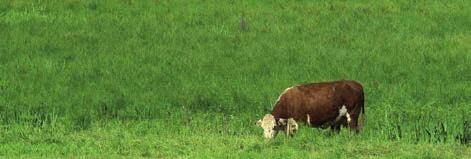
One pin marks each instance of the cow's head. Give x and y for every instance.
(271, 126)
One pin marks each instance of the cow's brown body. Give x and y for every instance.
(318, 104)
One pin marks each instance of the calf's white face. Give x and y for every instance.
(269, 126)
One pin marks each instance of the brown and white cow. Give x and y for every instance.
(320, 105)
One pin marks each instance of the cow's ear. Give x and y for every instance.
(259, 122)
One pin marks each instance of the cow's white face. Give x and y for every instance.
(269, 126)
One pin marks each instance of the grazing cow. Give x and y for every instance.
(320, 105)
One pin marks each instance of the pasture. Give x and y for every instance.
(185, 79)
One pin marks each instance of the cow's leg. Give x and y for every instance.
(335, 128)
(289, 126)
(353, 123)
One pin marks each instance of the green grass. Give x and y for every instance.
(180, 79)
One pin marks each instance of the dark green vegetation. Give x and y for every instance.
(181, 78)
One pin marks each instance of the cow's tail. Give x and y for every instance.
(362, 118)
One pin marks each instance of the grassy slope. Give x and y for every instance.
(167, 79)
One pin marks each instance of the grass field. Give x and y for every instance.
(183, 79)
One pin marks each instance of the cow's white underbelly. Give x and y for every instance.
(343, 112)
